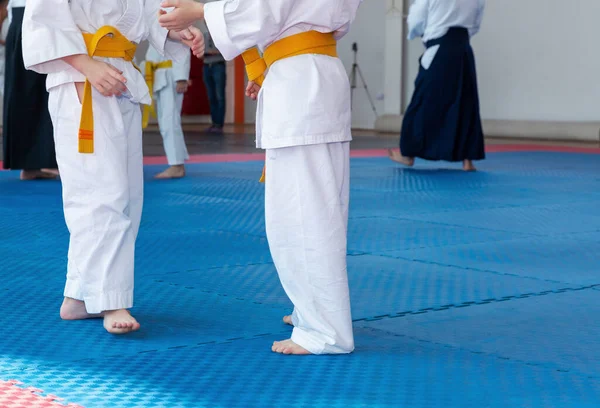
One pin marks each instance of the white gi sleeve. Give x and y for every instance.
(237, 25)
(417, 19)
(49, 34)
(350, 16)
(181, 70)
(478, 19)
(158, 35)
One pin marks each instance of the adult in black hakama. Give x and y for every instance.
(442, 121)
(28, 142)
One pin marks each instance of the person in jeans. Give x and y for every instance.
(215, 79)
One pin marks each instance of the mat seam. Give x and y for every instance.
(475, 303)
(546, 366)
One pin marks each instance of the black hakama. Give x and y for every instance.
(28, 136)
(442, 121)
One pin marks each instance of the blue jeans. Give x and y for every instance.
(215, 78)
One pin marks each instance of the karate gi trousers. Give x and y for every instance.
(168, 110)
(102, 196)
(306, 209)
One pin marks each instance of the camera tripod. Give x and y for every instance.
(355, 75)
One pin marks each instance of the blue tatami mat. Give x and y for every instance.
(557, 330)
(385, 371)
(468, 290)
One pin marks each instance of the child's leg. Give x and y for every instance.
(100, 203)
(169, 104)
(307, 193)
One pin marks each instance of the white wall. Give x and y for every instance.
(369, 34)
(540, 60)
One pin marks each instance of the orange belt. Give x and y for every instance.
(107, 42)
(310, 42)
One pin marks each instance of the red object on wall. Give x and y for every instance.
(195, 101)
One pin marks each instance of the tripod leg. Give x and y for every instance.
(362, 78)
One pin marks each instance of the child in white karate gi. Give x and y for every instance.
(303, 122)
(98, 135)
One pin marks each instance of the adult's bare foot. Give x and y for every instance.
(53, 172)
(73, 309)
(120, 322)
(468, 166)
(398, 158)
(172, 172)
(36, 175)
(288, 347)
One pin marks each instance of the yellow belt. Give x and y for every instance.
(149, 74)
(107, 42)
(310, 42)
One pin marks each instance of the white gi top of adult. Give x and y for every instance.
(304, 99)
(431, 19)
(58, 24)
(14, 3)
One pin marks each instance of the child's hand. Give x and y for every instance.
(107, 80)
(193, 38)
(185, 13)
(252, 90)
(182, 86)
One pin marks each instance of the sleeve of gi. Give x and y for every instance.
(349, 17)
(49, 34)
(417, 19)
(478, 18)
(181, 70)
(237, 25)
(157, 35)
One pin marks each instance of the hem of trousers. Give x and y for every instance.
(177, 162)
(73, 290)
(304, 339)
(441, 158)
(103, 302)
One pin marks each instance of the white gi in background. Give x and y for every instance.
(303, 121)
(168, 103)
(431, 19)
(3, 33)
(103, 191)
(14, 3)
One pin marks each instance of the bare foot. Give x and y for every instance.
(398, 158)
(468, 166)
(36, 175)
(54, 172)
(72, 309)
(288, 347)
(120, 322)
(288, 320)
(172, 172)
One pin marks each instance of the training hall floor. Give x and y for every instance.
(469, 289)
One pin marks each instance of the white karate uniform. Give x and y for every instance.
(103, 191)
(168, 105)
(14, 3)
(303, 121)
(431, 19)
(3, 33)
